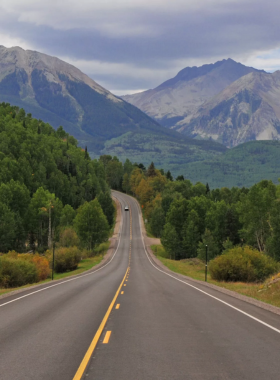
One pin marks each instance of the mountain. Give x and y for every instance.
(180, 97)
(60, 94)
(248, 109)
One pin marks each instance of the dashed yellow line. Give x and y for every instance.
(94, 342)
(107, 337)
(122, 292)
(118, 306)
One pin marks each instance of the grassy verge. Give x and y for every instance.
(268, 291)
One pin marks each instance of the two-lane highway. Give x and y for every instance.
(166, 329)
(159, 327)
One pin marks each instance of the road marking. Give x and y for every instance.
(124, 284)
(122, 292)
(118, 306)
(107, 337)
(196, 288)
(94, 342)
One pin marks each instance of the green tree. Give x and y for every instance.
(7, 228)
(126, 183)
(170, 241)
(191, 235)
(67, 217)
(107, 206)
(255, 209)
(44, 216)
(273, 241)
(151, 172)
(157, 221)
(91, 224)
(169, 176)
(213, 249)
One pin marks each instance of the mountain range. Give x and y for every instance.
(60, 94)
(226, 101)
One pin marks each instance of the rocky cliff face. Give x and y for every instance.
(248, 109)
(181, 96)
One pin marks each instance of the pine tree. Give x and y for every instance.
(86, 154)
(151, 172)
(169, 176)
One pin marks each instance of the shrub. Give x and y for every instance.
(68, 238)
(242, 264)
(15, 272)
(101, 248)
(42, 264)
(160, 251)
(66, 259)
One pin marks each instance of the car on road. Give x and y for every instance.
(126, 208)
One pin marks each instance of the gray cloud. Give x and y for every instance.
(154, 39)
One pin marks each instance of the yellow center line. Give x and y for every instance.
(118, 306)
(94, 342)
(107, 337)
(122, 292)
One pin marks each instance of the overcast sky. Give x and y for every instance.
(131, 45)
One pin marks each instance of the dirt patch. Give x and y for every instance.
(151, 241)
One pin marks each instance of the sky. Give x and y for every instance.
(129, 46)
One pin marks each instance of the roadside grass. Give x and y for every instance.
(268, 292)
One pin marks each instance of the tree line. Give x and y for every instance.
(189, 216)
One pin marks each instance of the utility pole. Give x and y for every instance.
(50, 227)
(53, 259)
(206, 261)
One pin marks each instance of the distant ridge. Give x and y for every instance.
(176, 102)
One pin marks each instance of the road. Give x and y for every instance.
(159, 327)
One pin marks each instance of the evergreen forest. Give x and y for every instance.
(47, 183)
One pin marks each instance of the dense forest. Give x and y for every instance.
(187, 216)
(47, 184)
(51, 191)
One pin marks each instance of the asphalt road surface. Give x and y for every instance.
(159, 327)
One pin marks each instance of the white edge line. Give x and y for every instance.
(70, 279)
(202, 291)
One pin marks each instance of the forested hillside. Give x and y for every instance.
(243, 165)
(47, 183)
(187, 216)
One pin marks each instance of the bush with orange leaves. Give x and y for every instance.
(41, 262)
(21, 269)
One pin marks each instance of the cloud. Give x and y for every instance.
(138, 44)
